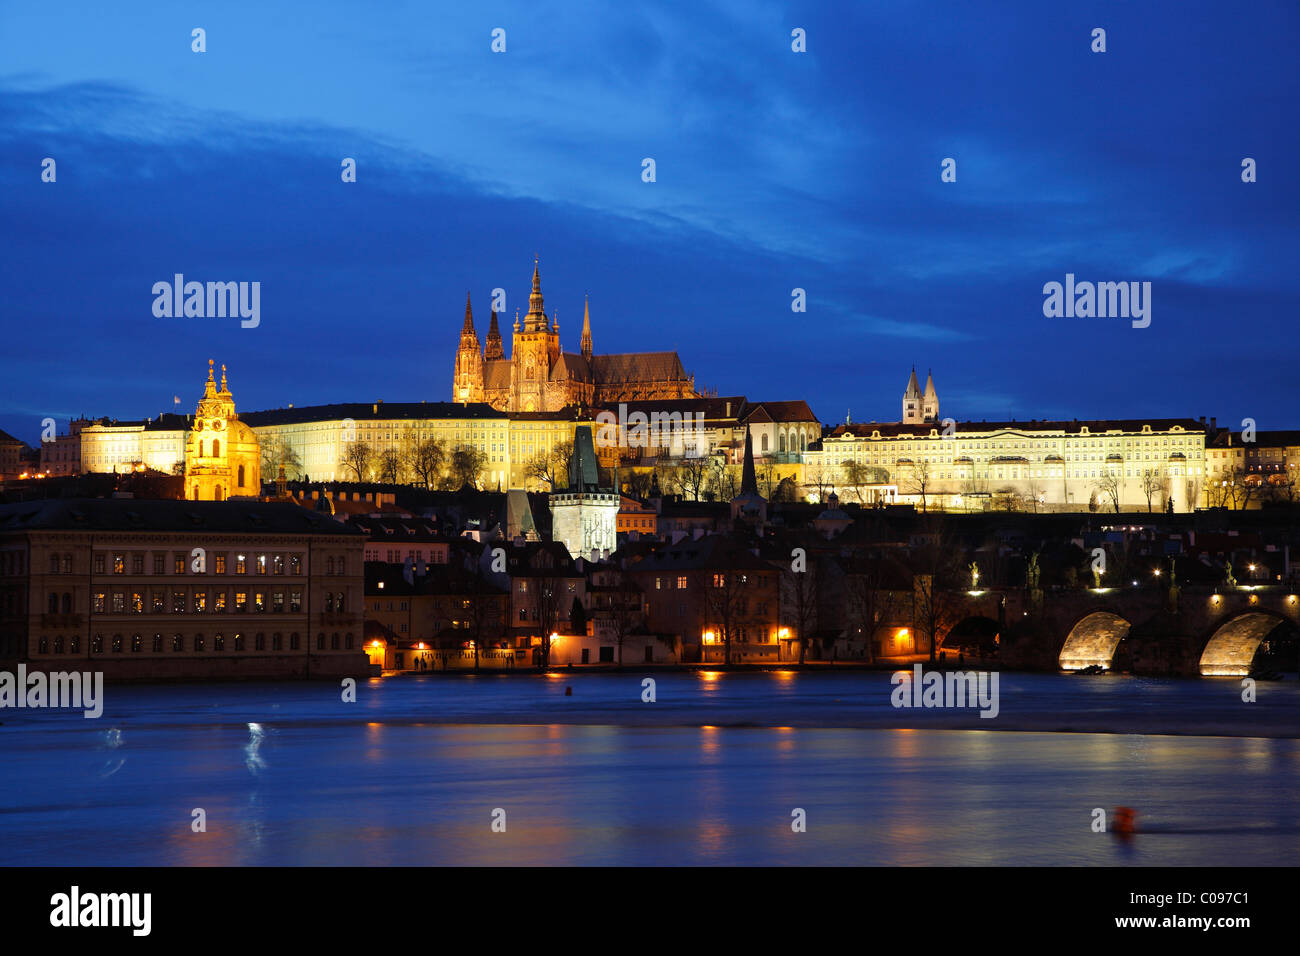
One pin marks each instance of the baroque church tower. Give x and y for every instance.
(223, 458)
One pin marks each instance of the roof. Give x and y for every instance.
(637, 367)
(370, 412)
(726, 408)
(496, 373)
(780, 412)
(138, 514)
(709, 552)
(6, 437)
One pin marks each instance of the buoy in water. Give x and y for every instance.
(568, 692)
(1125, 822)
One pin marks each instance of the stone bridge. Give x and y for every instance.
(1203, 631)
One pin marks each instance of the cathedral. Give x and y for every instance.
(540, 377)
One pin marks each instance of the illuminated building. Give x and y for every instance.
(222, 456)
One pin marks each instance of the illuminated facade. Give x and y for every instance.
(540, 377)
(223, 458)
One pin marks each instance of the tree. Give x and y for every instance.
(577, 618)
(550, 466)
(724, 587)
(484, 606)
(800, 597)
(870, 600)
(920, 480)
(936, 581)
(768, 478)
(274, 451)
(467, 463)
(389, 465)
(624, 610)
(426, 458)
(357, 456)
(689, 476)
(724, 479)
(638, 483)
(819, 478)
(855, 475)
(1109, 485)
(1152, 483)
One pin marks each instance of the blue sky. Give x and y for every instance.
(775, 170)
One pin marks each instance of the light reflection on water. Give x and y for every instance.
(708, 775)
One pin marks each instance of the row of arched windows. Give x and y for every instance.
(118, 644)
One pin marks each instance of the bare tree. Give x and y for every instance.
(550, 465)
(467, 463)
(426, 458)
(920, 480)
(1109, 485)
(275, 450)
(800, 600)
(389, 465)
(1152, 482)
(871, 601)
(357, 455)
(936, 581)
(690, 475)
(624, 611)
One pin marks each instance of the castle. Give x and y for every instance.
(540, 377)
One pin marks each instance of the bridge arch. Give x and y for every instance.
(1093, 640)
(1231, 649)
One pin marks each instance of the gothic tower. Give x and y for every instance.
(584, 516)
(586, 329)
(535, 350)
(467, 384)
(493, 350)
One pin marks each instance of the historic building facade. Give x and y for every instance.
(539, 376)
(155, 589)
(584, 515)
(1135, 464)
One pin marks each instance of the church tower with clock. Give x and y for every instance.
(223, 458)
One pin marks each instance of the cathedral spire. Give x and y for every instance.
(469, 319)
(225, 389)
(536, 309)
(586, 329)
(493, 348)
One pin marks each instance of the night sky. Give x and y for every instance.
(775, 170)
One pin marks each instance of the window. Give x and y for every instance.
(44, 646)
(219, 602)
(293, 641)
(117, 643)
(277, 602)
(221, 564)
(295, 564)
(334, 642)
(241, 566)
(137, 564)
(137, 602)
(54, 564)
(97, 603)
(277, 565)
(219, 643)
(259, 602)
(119, 564)
(157, 643)
(74, 645)
(99, 564)
(159, 563)
(54, 602)
(58, 645)
(199, 644)
(259, 642)
(349, 642)
(277, 642)
(178, 564)
(97, 644)
(320, 642)
(200, 602)
(178, 602)
(329, 565)
(136, 644)
(261, 564)
(339, 603)
(681, 581)
(67, 602)
(119, 602)
(241, 602)
(329, 602)
(239, 641)
(178, 643)
(295, 601)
